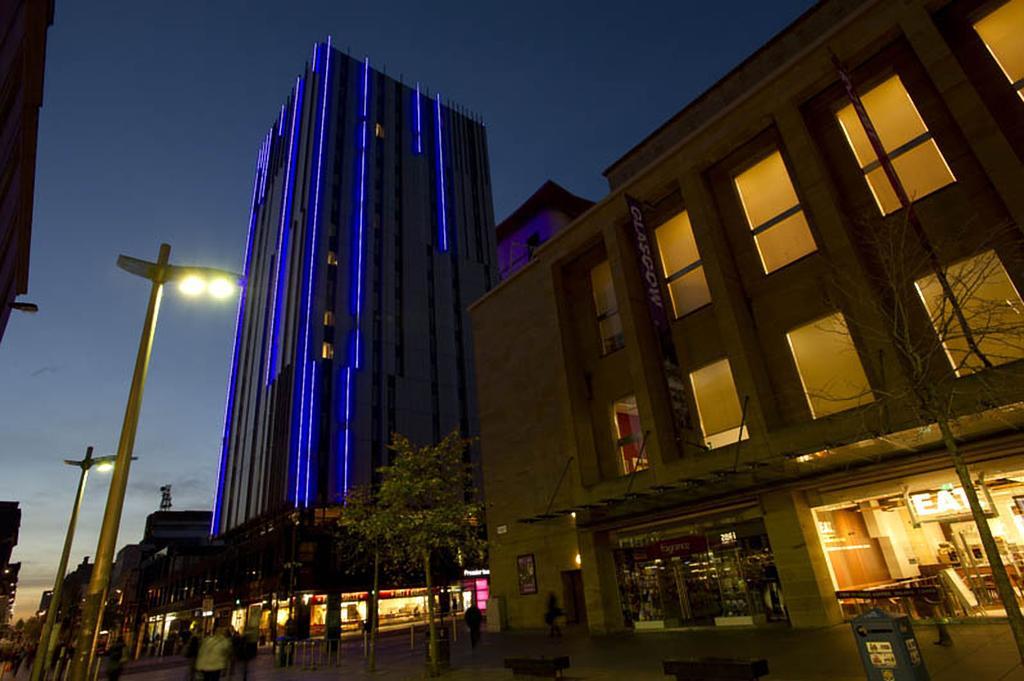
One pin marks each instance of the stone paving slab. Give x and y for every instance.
(980, 653)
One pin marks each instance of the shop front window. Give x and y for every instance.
(717, 574)
(917, 550)
(629, 439)
(606, 307)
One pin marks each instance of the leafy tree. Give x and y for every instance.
(425, 499)
(368, 527)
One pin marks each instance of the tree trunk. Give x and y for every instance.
(373, 614)
(1006, 593)
(431, 628)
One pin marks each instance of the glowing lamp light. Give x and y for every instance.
(105, 467)
(579, 561)
(192, 285)
(221, 288)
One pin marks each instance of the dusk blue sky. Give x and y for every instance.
(151, 119)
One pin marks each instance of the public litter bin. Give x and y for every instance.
(888, 648)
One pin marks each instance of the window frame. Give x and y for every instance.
(811, 395)
(980, 14)
(600, 317)
(731, 435)
(687, 269)
(862, 89)
(637, 438)
(767, 151)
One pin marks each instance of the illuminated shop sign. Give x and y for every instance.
(946, 503)
(482, 572)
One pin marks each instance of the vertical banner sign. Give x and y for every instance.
(674, 380)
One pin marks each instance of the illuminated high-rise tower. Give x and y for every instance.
(371, 230)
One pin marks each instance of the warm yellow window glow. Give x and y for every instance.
(916, 158)
(718, 405)
(991, 306)
(628, 435)
(328, 351)
(328, 318)
(332, 258)
(378, 130)
(681, 264)
(829, 367)
(606, 308)
(1002, 31)
(773, 213)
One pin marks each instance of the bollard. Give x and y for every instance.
(412, 636)
(455, 629)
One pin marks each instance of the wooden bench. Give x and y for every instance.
(544, 667)
(715, 669)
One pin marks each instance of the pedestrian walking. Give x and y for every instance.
(191, 653)
(551, 616)
(115, 661)
(473, 619)
(214, 656)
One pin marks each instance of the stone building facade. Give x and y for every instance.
(777, 470)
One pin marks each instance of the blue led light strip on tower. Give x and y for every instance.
(417, 137)
(283, 232)
(442, 208)
(229, 406)
(354, 349)
(305, 428)
(357, 300)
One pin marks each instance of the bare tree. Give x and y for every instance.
(955, 330)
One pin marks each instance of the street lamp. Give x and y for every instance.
(47, 639)
(191, 281)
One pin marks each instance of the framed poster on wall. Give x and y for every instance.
(526, 569)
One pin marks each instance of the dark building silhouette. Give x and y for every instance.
(23, 25)
(539, 218)
(10, 523)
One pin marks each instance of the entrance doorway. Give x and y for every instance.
(572, 596)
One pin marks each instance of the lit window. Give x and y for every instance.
(916, 158)
(991, 306)
(328, 351)
(681, 264)
(607, 309)
(774, 213)
(378, 130)
(328, 318)
(1002, 31)
(830, 370)
(628, 435)
(332, 258)
(717, 404)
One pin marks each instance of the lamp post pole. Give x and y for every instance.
(96, 593)
(47, 638)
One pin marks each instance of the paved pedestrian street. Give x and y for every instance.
(982, 652)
